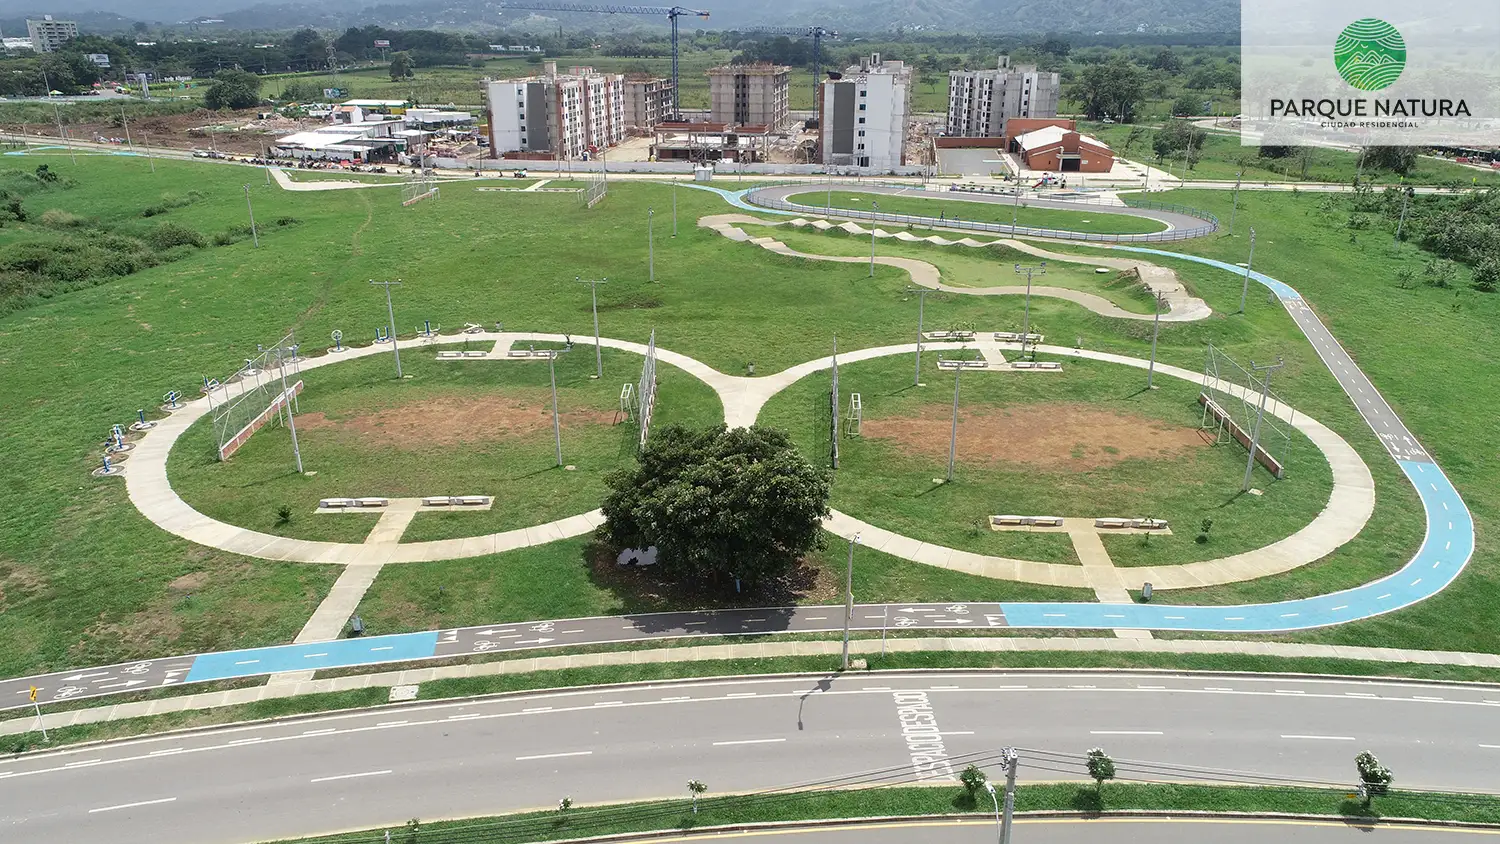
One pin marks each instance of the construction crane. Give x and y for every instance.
(672, 13)
(816, 33)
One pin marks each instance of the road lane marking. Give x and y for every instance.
(350, 776)
(1216, 689)
(1290, 692)
(1415, 582)
(877, 688)
(1321, 738)
(679, 697)
(1290, 615)
(741, 694)
(1176, 617)
(610, 703)
(244, 741)
(817, 618)
(1490, 746)
(81, 764)
(537, 709)
(694, 623)
(1437, 563)
(386, 648)
(1361, 694)
(465, 716)
(392, 723)
(554, 755)
(1054, 615)
(322, 732)
(132, 805)
(749, 741)
(1234, 618)
(165, 752)
(313, 656)
(1340, 607)
(1422, 697)
(1383, 597)
(1125, 732)
(247, 662)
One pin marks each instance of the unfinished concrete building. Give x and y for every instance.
(647, 102)
(758, 94)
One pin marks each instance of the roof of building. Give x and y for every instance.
(1051, 136)
(376, 103)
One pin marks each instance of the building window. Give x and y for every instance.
(861, 120)
(862, 106)
(861, 133)
(864, 93)
(861, 146)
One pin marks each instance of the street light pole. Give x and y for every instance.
(1040, 269)
(1236, 209)
(1012, 760)
(874, 207)
(594, 295)
(65, 139)
(1405, 196)
(921, 312)
(1155, 330)
(999, 830)
(146, 142)
(1260, 414)
(1245, 289)
(651, 241)
(849, 598)
(556, 424)
(953, 435)
(674, 207)
(391, 312)
(251, 207)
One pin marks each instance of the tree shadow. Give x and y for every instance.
(965, 802)
(1087, 800)
(645, 589)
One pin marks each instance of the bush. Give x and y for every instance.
(167, 235)
(233, 234)
(58, 218)
(286, 221)
(1487, 275)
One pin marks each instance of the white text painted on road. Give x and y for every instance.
(924, 741)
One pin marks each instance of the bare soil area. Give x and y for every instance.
(1044, 436)
(457, 420)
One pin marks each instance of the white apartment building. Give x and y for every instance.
(568, 115)
(863, 115)
(980, 101)
(48, 34)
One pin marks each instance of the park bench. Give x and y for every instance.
(436, 501)
(1149, 524)
(470, 500)
(372, 502)
(450, 354)
(336, 503)
(1112, 524)
(476, 354)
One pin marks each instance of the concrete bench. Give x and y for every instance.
(950, 365)
(1049, 364)
(1023, 364)
(1008, 520)
(1112, 524)
(476, 354)
(518, 353)
(372, 502)
(1046, 521)
(449, 355)
(1149, 524)
(470, 500)
(436, 501)
(948, 335)
(1015, 337)
(336, 503)
(1030, 521)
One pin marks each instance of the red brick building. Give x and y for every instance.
(1061, 149)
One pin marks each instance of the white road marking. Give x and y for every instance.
(1490, 746)
(165, 752)
(1234, 618)
(749, 741)
(84, 762)
(1415, 582)
(245, 741)
(465, 716)
(694, 623)
(392, 723)
(877, 688)
(874, 616)
(943, 688)
(1321, 738)
(322, 732)
(386, 648)
(247, 662)
(1340, 607)
(1216, 689)
(1153, 688)
(554, 755)
(741, 694)
(1054, 615)
(610, 703)
(1289, 615)
(817, 618)
(1383, 597)
(350, 776)
(1361, 694)
(579, 630)
(1437, 563)
(1125, 732)
(537, 709)
(1176, 617)
(312, 656)
(1422, 697)
(1290, 692)
(680, 697)
(132, 805)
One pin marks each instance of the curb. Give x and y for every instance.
(716, 678)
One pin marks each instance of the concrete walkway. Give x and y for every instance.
(1181, 305)
(750, 650)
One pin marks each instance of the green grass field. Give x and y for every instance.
(1098, 222)
(85, 579)
(1088, 442)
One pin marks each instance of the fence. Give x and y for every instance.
(1211, 223)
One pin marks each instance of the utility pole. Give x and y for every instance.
(953, 435)
(1015, 208)
(849, 598)
(1012, 761)
(874, 207)
(1040, 269)
(921, 309)
(594, 295)
(834, 399)
(1155, 330)
(674, 207)
(391, 312)
(65, 139)
(1236, 209)
(651, 241)
(1260, 413)
(146, 142)
(125, 119)
(255, 236)
(1405, 196)
(1245, 288)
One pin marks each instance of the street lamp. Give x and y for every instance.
(849, 598)
(999, 831)
(874, 208)
(1040, 269)
(1245, 288)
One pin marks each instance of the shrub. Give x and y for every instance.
(58, 218)
(1487, 275)
(286, 221)
(167, 235)
(233, 234)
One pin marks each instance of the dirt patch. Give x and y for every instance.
(1044, 436)
(189, 582)
(459, 420)
(18, 582)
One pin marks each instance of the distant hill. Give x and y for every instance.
(990, 16)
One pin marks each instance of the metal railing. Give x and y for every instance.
(1211, 223)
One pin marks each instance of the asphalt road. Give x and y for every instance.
(1177, 222)
(468, 758)
(1072, 831)
(493, 638)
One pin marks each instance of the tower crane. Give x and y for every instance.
(672, 13)
(816, 33)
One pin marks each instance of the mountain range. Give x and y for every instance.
(987, 16)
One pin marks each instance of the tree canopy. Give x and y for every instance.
(401, 66)
(1112, 89)
(233, 89)
(719, 504)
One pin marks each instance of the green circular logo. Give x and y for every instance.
(1370, 54)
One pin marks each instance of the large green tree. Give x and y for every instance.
(1113, 89)
(233, 89)
(401, 66)
(719, 504)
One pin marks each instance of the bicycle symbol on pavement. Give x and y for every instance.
(485, 645)
(66, 692)
(958, 609)
(905, 621)
(138, 668)
(544, 627)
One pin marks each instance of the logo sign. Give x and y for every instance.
(1370, 54)
(100, 59)
(1361, 73)
(382, 43)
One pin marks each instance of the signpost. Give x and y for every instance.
(41, 726)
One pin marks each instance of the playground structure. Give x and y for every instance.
(420, 185)
(263, 391)
(598, 188)
(1233, 401)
